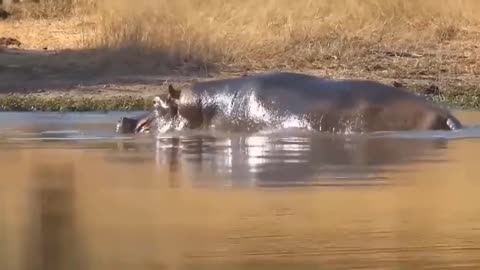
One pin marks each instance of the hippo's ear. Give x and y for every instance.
(174, 93)
(159, 103)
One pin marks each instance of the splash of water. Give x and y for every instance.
(246, 113)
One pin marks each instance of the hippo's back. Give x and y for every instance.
(295, 92)
(286, 93)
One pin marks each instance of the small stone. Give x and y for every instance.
(398, 84)
(378, 67)
(432, 90)
(4, 14)
(9, 41)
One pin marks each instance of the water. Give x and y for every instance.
(75, 195)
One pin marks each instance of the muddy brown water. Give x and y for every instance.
(75, 195)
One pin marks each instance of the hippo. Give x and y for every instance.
(287, 99)
(141, 123)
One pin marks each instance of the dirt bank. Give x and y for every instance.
(101, 80)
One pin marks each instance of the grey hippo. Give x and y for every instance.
(286, 99)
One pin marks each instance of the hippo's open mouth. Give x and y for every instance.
(131, 125)
(126, 125)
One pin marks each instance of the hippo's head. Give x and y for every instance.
(165, 108)
(167, 104)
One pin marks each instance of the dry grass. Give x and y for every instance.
(280, 33)
(53, 9)
(273, 33)
(417, 42)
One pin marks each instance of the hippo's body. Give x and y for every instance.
(290, 99)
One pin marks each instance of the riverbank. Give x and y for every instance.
(112, 59)
(78, 100)
(62, 103)
(97, 80)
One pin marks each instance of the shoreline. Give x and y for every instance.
(460, 99)
(28, 103)
(112, 80)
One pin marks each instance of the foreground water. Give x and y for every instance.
(75, 195)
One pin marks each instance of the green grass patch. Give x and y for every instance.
(75, 104)
(461, 98)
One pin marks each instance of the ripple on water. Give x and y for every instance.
(284, 157)
(324, 208)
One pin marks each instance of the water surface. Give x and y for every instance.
(72, 188)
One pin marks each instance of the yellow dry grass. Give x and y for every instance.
(419, 42)
(272, 33)
(52, 9)
(280, 33)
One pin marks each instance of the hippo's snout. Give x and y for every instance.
(126, 125)
(453, 123)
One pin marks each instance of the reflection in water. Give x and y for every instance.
(53, 243)
(87, 198)
(300, 160)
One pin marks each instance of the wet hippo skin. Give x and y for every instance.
(139, 123)
(255, 102)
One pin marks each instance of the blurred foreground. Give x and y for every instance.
(74, 196)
